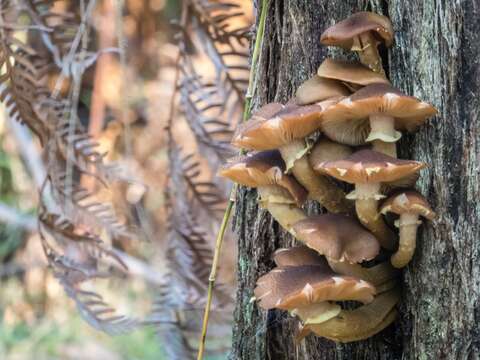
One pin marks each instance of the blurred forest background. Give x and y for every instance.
(127, 110)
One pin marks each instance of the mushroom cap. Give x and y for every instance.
(368, 166)
(351, 73)
(318, 89)
(344, 32)
(299, 256)
(327, 150)
(347, 121)
(408, 202)
(266, 131)
(291, 287)
(263, 169)
(338, 237)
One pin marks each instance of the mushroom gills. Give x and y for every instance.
(367, 47)
(317, 313)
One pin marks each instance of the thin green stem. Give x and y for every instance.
(228, 211)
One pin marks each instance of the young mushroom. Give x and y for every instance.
(352, 75)
(362, 32)
(308, 291)
(374, 114)
(410, 205)
(368, 169)
(279, 193)
(358, 324)
(318, 89)
(327, 150)
(345, 244)
(286, 130)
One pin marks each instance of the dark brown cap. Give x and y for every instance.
(367, 166)
(408, 202)
(350, 73)
(318, 89)
(290, 123)
(348, 122)
(338, 237)
(291, 287)
(263, 169)
(343, 33)
(298, 256)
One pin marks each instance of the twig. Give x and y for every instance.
(228, 211)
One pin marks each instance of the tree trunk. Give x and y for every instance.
(435, 57)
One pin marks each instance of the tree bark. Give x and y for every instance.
(435, 57)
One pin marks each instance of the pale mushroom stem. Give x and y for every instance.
(366, 205)
(368, 53)
(319, 188)
(361, 323)
(285, 213)
(408, 224)
(376, 275)
(383, 134)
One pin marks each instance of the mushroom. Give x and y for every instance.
(345, 244)
(409, 205)
(362, 32)
(373, 114)
(285, 130)
(318, 89)
(307, 290)
(279, 193)
(297, 256)
(352, 75)
(358, 324)
(327, 150)
(368, 169)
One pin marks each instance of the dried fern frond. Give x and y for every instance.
(96, 311)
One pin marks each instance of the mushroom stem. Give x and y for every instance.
(366, 197)
(319, 188)
(368, 53)
(282, 209)
(361, 323)
(383, 134)
(408, 224)
(376, 275)
(387, 148)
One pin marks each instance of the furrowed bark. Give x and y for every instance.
(434, 57)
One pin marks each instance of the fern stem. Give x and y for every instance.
(228, 211)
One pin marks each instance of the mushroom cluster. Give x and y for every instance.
(351, 253)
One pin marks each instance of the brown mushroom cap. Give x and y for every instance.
(327, 150)
(338, 237)
(347, 121)
(351, 73)
(299, 256)
(367, 166)
(318, 89)
(290, 123)
(291, 287)
(408, 202)
(344, 32)
(262, 169)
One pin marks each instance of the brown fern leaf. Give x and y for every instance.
(82, 207)
(95, 311)
(19, 83)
